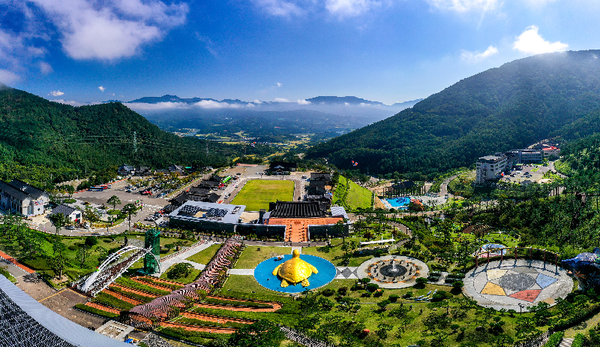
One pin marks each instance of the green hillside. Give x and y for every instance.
(42, 140)
(500, 109)
(351, 196)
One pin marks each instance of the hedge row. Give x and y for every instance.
(135, 285)
(579, 317)
(578, 341)
(555, 339)
(236, 303)
(111, 301)
(192, 336)
(192, 321)
(131, 295)
(94, 310)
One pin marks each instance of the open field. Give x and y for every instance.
(257, 194)
(254, 255)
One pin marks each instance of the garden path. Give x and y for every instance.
(584, 327)
(181, 258)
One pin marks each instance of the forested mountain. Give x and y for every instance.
(39, 138)
(500, 109)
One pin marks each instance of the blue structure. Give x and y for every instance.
(264, 274)
(586, 267)
(399, 203)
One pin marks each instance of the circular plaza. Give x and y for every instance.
(393, 271)
(516, 284)
(293, 278)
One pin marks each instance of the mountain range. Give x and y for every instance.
(327, 116)
(42, 140)
(503, 108)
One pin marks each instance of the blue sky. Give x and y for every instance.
(85, 51)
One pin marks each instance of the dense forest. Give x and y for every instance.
(42, 140)
(503, 108)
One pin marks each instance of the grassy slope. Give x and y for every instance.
(351, 195)
(257, 194)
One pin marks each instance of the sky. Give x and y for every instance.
(88, 51)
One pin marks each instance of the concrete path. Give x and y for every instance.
(245, 272)
(181, 258)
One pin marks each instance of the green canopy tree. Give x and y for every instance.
(129, 210)
(59, 220)
(260, 334)
(114, 200)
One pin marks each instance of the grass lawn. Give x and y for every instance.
(256, 194)
(254, 255)
(185, 280)
(204, 256)
(335, 253)
(351, 195)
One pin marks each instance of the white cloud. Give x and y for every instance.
(303, 102)
(350, 8)
(475, 57)
(210, 46)
(68, 102)
(156, 107)
(279, 85)
(215, 104)
(102, 89)
(45, 68)
(112, 29)
(530, 42)
(8, 77)
(465, 5)
(281, 100)
(56, 93)
(279, 8)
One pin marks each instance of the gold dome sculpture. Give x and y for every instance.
(295, 271)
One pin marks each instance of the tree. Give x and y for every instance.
(129, 210)
(114, 200)
(82, 254)
(260, 334)
(91, 215)
(59, 220)
(58, 264)
(180, 270)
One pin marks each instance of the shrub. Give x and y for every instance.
(394, 297)
(555, 339)
(578, 341)
(91, 241)
(180, 270)
(365, 280)
(72, 248)
(457, 284)
(378, 293)
(439, 296)
(371, 287)
(328, 292)
(407, 295)
(343, 290)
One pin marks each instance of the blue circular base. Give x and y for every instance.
(264, 274)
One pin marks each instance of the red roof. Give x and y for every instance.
(549, 148)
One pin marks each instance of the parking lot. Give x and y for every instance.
(526, 172)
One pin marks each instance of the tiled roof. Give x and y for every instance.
(12, 191)
(34, 192)
(297, 209)
(64, 209)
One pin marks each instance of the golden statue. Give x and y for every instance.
(295, 271)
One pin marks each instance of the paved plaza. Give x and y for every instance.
(511, 284)
(411, 270)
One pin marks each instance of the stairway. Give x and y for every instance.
(566, 342)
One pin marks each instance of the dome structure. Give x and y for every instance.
(295, 271)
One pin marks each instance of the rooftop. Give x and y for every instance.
(198, 210)
(297, 209)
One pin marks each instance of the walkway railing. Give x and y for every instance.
(302, 339)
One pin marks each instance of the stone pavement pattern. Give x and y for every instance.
(511, 284)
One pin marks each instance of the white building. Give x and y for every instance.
(22, 198)
(529, 156)
(490, 167)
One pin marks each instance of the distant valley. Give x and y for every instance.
(322, 116)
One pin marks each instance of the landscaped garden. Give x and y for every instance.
(351, 196)
(257, 194)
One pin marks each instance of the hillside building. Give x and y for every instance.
(531, 156)
(22, 198)
(490, 167)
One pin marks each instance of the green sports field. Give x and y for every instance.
(257, 194)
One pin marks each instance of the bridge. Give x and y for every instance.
(113, 267)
